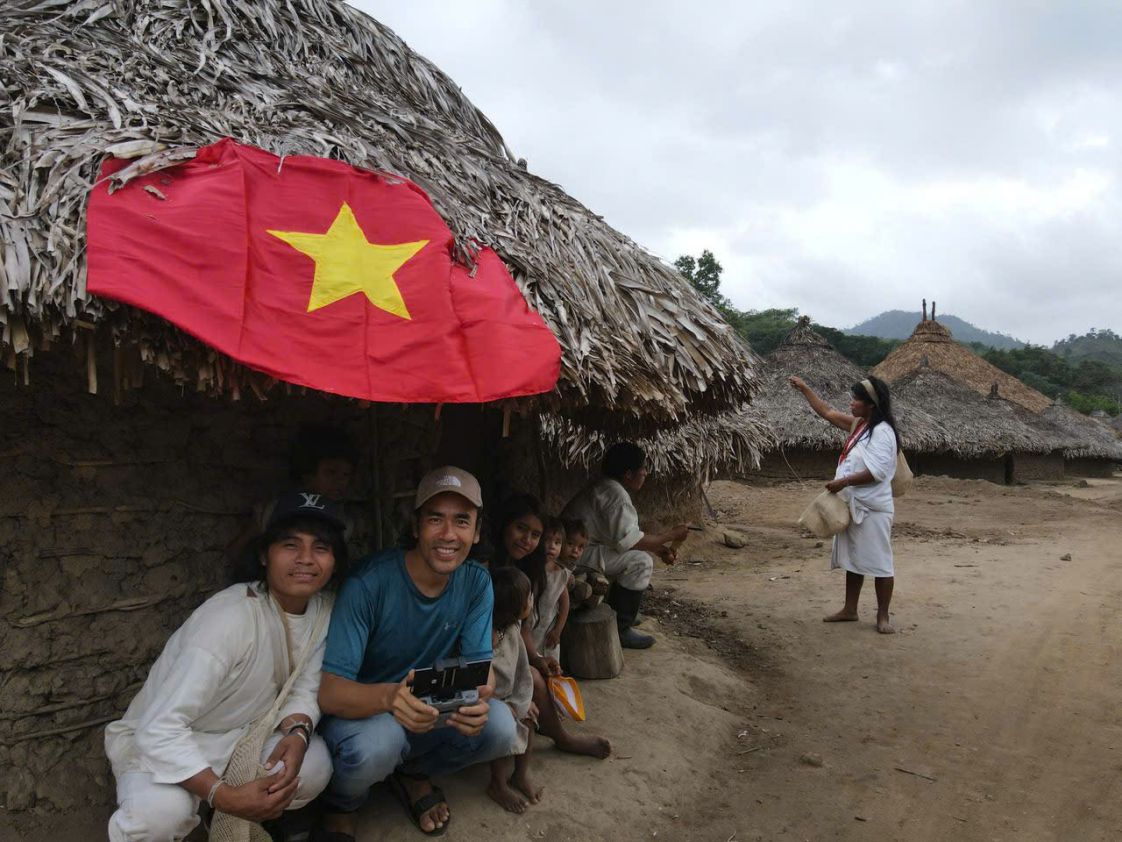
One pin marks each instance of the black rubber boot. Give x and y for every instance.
(626, 604)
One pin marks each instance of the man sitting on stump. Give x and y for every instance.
(401, 611)
(616, 545)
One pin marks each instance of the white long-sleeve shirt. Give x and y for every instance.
(219, 672)
(606, 510)
(877, 453)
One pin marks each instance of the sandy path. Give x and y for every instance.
(753, 720)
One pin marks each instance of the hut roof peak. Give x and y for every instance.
(803, 334)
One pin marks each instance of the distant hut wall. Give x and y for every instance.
(1038, 466)
(1088, 467)
(992, 469)
(799, 463)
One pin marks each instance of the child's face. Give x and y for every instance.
(553, 542)
(521, 536)
(528, 608)
(332, 478)
(573, 549)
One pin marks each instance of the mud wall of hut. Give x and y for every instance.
(114, 518)
(1038, 466)
(799, 463)
(938, 464)
(1086, 467)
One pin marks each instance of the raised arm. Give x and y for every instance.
(841, 420)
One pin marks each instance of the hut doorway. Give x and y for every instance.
(1008, 466)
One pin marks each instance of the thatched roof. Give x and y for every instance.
(319, 77)
(975, 426)
(1085, 437)
(703, 448)
(932, 346)
(807, 354)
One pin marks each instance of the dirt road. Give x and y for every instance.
(992, 715)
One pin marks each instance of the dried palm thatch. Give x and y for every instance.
(808, 355)
(1084, 438)
(82, 79)
(975, 427)
(931, 345)
(700, 449)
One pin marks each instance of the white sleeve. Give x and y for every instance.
(622, 519)
(163, 736)
(304, 696)
(880, 453)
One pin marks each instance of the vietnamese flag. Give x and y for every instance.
(320, 274)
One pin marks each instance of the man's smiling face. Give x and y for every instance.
(447, 526)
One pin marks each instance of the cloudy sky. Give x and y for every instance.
(841, 157)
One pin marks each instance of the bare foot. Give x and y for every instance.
(505, 797)
(842, 616)
(589, 744)
(521, 781)
(417, 789)
(884, 626)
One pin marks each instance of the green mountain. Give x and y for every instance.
(899, 324)
(1105, 346)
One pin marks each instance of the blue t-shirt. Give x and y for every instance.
(382, 626)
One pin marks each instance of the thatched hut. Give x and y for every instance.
(131, 450)
(985, 437)
(932, 346)
(1092, 449)
(804, 445)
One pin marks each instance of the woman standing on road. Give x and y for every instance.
(864, 481)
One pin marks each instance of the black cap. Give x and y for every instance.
(301, 504)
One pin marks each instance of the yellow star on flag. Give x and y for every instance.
(346, 263)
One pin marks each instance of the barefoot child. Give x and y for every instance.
(514, 684)
(551, 608)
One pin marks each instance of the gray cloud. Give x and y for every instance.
(843, 158)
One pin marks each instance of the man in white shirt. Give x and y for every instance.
(617, 547)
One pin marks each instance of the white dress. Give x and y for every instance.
(547, 608)
(865, 546)
(514, 683)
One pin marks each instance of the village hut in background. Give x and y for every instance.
(932, 346)
(805, 446)
(132, 451)
(1092, 449)
(985, 437)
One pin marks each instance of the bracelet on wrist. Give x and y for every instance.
(213, 790)
(303, 729)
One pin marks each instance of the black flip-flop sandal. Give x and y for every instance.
(416, 809)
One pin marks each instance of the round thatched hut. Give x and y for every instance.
(985, 437)
(132, 451)
(804, 445)
(1091, 449)
(932, 346)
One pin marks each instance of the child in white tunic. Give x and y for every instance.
(514, 684)
(218, 674)
(551, 607)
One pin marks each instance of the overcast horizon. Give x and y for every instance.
(844, 158)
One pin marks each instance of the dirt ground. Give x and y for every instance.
(991, 715)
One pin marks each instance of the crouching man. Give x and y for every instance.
(401, 611)
(225, 669)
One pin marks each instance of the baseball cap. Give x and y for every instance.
(295, 504)
(449, 478)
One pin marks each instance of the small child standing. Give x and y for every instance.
(587, 587)
(551, 610)
(514, 684)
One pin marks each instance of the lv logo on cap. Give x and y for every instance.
(311, 501)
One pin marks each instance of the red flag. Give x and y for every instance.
(320, 274)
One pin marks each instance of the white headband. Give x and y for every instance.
(872, 393)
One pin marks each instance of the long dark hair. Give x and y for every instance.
(511, 588)
(533, 564)
(881, 403)
(248, 567)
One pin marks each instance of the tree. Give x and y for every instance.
(704, 274)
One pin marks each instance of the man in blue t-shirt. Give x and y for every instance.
(401, 611)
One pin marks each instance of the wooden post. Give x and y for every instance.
(590, 644)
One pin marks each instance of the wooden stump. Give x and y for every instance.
(590, 644)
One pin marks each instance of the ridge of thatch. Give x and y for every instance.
(931, 345)
(809, 355)
(729, 444)
(321, 78)
(1085, 437)
(974, 426)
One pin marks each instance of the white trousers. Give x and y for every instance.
(152, 812)
(632, 569)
